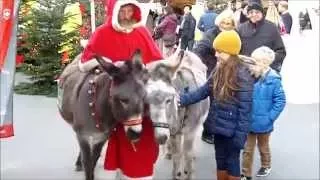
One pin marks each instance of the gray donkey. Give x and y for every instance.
(92, 103)
(183, 71)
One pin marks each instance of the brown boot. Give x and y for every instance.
(222, 175)
(233, 178)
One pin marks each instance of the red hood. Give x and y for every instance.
(113, 8)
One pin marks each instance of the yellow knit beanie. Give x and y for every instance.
(228, 42)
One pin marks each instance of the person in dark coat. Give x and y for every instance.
(188, 27)
(285, 15)
(204, 49)
(304, 20)
(223, 22)
(259, 32)
(230, 90)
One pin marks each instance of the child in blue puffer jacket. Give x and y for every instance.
(268, 102)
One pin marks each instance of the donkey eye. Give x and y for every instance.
(168, 101)
(124, 101)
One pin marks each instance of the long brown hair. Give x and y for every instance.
(225, 79)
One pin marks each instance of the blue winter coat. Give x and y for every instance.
(206, 21)
(231, 119)
(268, 102)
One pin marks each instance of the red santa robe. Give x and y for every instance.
(134, 161)
(117, 43)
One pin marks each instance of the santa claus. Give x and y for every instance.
(120, 36)
(117, 40)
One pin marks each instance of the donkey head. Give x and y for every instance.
(161, 96)
(127, 93)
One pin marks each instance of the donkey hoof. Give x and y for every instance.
(79, 168)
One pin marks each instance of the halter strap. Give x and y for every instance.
(160, 125)
(132, 122)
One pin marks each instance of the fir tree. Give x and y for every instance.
(42, 42)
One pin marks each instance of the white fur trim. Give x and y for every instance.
(90, 64)
(84, 42)
(116, 9)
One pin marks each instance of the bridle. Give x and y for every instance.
(93, 92)
(132, 122)
(160, 125)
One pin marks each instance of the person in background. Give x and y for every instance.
(230, 91)
(273, 16)
(187, 30)
(304, 20)
(268, 102)
(240, 15)
(285, 15)
(259, 32)
(224, 21)
(167, 32)
(207, 20)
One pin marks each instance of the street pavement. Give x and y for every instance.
(45, 147)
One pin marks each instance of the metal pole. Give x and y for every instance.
(7, 76)
(93, 16)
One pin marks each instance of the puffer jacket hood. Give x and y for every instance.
(256, 70)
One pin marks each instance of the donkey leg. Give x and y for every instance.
(169, 149)
(188, 155)
(87, 159)
(79, 163)
(176, 156)
(96, 152)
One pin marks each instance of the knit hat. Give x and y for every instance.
(255, 4)
(228, 42)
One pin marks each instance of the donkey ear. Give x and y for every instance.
(110, 68)
(137, 60)
(104, 64)
(174, 66)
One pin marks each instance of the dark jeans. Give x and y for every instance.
(227, 156)
(186, 43)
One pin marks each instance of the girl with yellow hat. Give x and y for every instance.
(230, 90)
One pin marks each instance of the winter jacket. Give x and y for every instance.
(188, 27)
(268, 102)
(233, 118)
(207, 20)
(205, 50)
(263, 33)
(167, 29)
